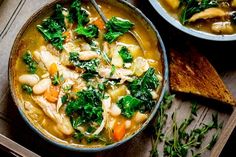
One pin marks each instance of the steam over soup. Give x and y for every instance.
(212, 16)
(86, 83)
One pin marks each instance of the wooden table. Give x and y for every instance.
(14, 13)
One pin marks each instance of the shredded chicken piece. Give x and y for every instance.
(106, 103)
(208, 14)
(35, 113)
(120, 73)
(47, 58)
(62, 121)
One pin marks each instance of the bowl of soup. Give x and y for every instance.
(206, 19)
(84, 85)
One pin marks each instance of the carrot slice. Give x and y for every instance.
(119, 131)
(99, 23)
(68, 36)
(53, 69)
(52, 93)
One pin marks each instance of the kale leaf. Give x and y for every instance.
(31, 64)
(129, 105)
(26, 88)
(86, 108)
(141, 89)
(191, 7)
(77, 14)
(117, 27)
(125, 55)
(89, 32)
(53, 27)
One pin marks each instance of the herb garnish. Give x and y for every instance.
(180, 142)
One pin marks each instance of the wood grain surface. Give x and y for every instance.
(13, 14)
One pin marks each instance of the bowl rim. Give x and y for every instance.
(165, 81)
(193, 32)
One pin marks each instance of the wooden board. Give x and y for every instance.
(15, 13)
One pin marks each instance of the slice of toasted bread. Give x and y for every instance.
(191, 72)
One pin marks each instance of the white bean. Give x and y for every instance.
(154, 94)
(115, 110)
(29, 79)
(140, 117)
(127, 124)
(42, 86)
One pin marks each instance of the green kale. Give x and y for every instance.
(86, 108)
(53, 27)
(52, 32)
(87, 76)
(125, 55)
(31, 64)
(58, 16)
(128, 105)
(26, 88)
(140, 88)
(116, 27)
(112, 36)
(77, 14)
(90, 31)
(191, 7)
(89, 66)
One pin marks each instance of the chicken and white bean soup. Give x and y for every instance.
(86, 83)
(212, 16)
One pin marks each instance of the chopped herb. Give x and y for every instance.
(57, 79)
(67, 88)
(31, 64)
(113, 70)
(129, 105)
(125, 55)
(26, 88)
(101, 86)
(117, 27)
(160, 122)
